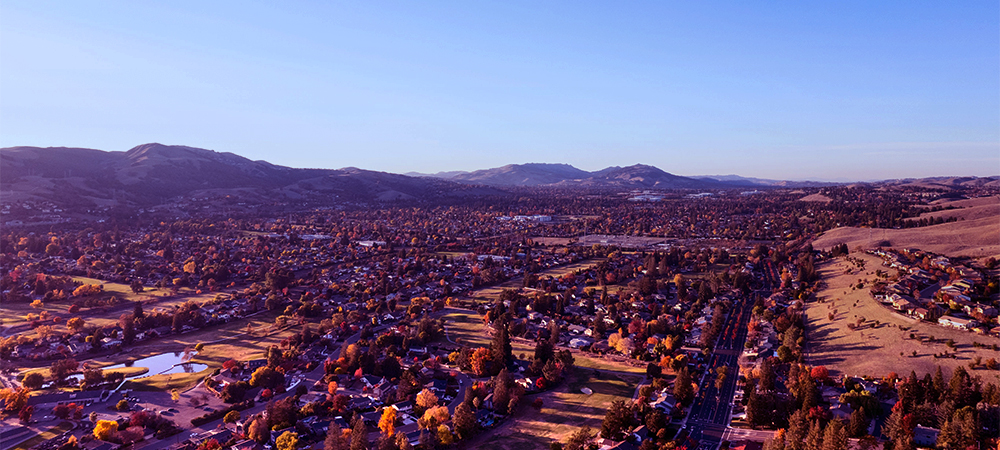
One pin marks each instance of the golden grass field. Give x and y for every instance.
(13, 314)
(876, 351)
(564, 411)
(517, 282)
(975, 234)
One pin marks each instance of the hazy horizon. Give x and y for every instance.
(845, 92)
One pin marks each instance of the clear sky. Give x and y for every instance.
(794, 90)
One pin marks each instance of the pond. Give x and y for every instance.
(162, 364)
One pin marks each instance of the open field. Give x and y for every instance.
(517, 282)
(466, 328)
(976, 234)
(564, 411)
(876, 351)
(13, 314)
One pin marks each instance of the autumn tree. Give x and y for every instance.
(25, 414)
(105, 429)
(231, 417)
(287, 441)
(76, 324)
(426, 399)
(388, 422)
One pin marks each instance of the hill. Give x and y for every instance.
(763, 182)
(522, 175)
(638, 176)
(975, 234)
(152, 174)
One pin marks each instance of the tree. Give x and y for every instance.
(464, 421)
(617, 421)
(76, 324)
(897, 428)
(798, 428)
(25, 414)
(388, 422)
(858, 426)
(426, 399)
(359, 434)
(33, 381)
(336, 438)
(62, 368)
(835, 436)
(287, 441)
(267, 378)
(814, 438)
(767, 376)
(777, 442)
(961, 431)
(231, 417)
(503, 391)
(500, 347)
(234, 392)
(122, 405)
(444, 435)
(105, 429)
(259, 431)
(581, 439)
(820, 373)
(552, 372)
(683, 388)
(14, 399)
(434, 416)
(478, 360)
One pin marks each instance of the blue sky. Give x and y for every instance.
(828, 90)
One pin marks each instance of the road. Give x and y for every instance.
(710, 414)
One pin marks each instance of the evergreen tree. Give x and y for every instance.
(777, 442)
(503, 391)
(464, 421)
(767, 376)
(500, 347)
(835, 436)
(937, 384)
(798, 427)
(961, 431)
(335, 439)
(617, 421)
(683, 390)
(859, 423)
(359, 433)
(814, 439)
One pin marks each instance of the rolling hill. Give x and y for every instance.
(637, 176)
(152, 174)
